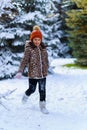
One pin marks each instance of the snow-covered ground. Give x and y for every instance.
(66, 101)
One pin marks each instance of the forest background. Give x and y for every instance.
(63, 24)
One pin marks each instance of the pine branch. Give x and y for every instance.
(4, 96)
(4, 106)
(7, 93)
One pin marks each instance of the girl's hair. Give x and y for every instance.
(43, 45)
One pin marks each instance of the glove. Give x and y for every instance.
(18, 75)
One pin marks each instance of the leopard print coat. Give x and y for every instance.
(37, 60)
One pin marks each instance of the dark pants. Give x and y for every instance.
(42, 87)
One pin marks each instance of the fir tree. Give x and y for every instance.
(47, 14)
(16, 26)
(8, 13)
(77, 23)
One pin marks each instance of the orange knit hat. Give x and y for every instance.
(36, 33)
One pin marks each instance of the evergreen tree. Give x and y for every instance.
(77, 23)
(8, 12)
(15, 27)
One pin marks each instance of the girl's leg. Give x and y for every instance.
(32, 87)
(42, 89)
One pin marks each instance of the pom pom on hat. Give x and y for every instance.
(36, 27)
(36, 32)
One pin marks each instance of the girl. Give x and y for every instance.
(36, 57)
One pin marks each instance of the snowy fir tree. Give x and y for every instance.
(8, 12)
(54, 30)
(17, 19)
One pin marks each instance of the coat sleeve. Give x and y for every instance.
(25, 59)
(47, 59)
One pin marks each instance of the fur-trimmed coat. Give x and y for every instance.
(37, 60)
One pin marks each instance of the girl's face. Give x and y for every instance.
(36, 41)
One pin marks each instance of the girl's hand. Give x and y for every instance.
(18, 75)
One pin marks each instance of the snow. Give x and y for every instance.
(25, 17)
(66, 101)
(7, 35)
(21, 32)
(5, 4)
